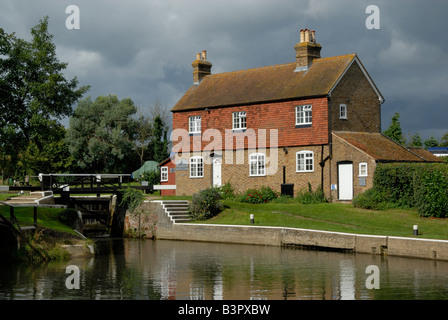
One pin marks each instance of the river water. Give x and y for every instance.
(175, 270)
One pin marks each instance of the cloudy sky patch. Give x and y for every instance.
(143, 49)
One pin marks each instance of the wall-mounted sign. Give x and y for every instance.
(181, 165)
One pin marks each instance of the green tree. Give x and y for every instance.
(158, 147)
(444, 140)
(34, 94)
(431, 142)
(394, 131)
(416, 140)
(101, 135)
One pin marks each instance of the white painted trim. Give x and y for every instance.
(165, 187)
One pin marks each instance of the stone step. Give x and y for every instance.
(176, 213)
(174, 209)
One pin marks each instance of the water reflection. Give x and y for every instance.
(164, 270)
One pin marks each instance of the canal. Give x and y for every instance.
(129, 269)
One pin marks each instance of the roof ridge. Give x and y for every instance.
(282, 64)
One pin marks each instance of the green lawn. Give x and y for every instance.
(332, 217)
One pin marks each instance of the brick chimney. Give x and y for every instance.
(201, 67)
(306, 50)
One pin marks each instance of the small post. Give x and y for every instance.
(415, 230)
(35, 217)
(252, 221)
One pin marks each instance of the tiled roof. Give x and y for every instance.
(272, 83)
(428, 156)
(381, 148)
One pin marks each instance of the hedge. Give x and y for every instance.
(415, 185)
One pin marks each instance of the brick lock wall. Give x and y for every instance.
(363, 105)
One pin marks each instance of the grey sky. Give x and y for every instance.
(143, 49)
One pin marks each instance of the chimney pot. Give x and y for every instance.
(307, 50)
(201, 67)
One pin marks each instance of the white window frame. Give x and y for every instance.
(196, 167)
(305, 161)
(304, 115)
(163, 174)
(257, 165)
(363, 173)
(343, 111)
(239, 120)
(194, 124)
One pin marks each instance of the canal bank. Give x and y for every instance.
(151, 220)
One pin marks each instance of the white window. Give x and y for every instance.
(304, 115)
(196, 167)
(195, 124)
(239, 120)
(163, 174)
(305, 161)
(257, 164)
(363, 169)
(342, 111)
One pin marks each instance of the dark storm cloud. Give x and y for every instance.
(144, 49)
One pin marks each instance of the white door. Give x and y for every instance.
(217, 172)
(345, 187)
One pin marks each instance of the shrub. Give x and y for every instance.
(308, 196)
(420, 185)
(206, 204)
(265, 194)
(371, 199)
(226, 191)
(153, 177)
(431, 194)
(132, 198)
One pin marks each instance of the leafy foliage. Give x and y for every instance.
(423, 186)
(206, 204)
(308, 196)
(34, 95)
(264, 195)
(394, 131)
(132, 198)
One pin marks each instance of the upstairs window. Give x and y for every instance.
(343, 111)
(305, 161)
(163, 174)
(195, 124)
(257, 165)
(239, 120)
(304, 115)
(196, 167)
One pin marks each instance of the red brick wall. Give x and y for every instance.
(171, 179)
(277, 115)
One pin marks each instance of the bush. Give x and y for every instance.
(206, 204)
(308, 196)
(265, 194)
(431, 194)
(226, 191)
(371, 199)
(153, 177)
(132, 198)
(419, 185)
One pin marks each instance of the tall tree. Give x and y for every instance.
(431, 142)
(101, 135)
(33, 90)
(416, 140)
(158, 147)
(394, 131)
(444, 140)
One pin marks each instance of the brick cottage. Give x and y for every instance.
(316, 120)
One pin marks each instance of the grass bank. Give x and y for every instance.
(45, 244)
(335, 217)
